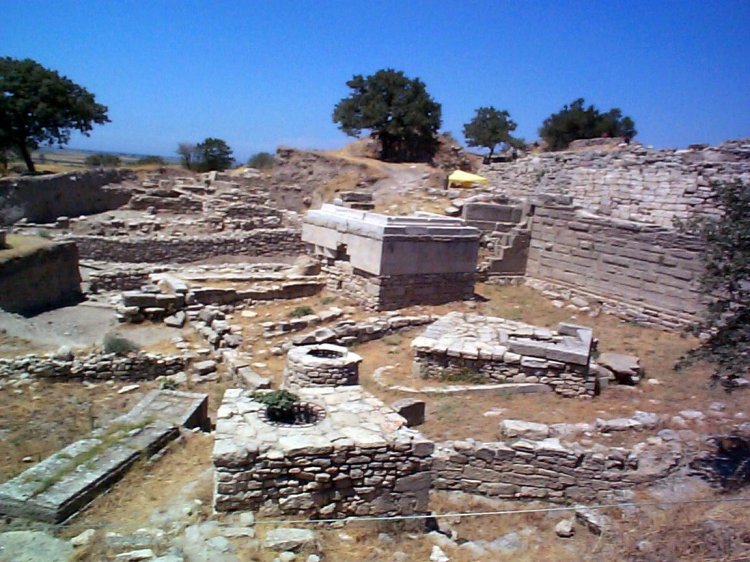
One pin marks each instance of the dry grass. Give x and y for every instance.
(19, 246)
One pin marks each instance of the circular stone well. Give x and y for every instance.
(321, 365)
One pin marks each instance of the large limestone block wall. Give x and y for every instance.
(639, 271)
(37, 280)
(44, 198)
(183, 249)
(634, 183)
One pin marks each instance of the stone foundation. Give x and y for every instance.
(360, 459)
(36, 274)
(468, 346)
(547, 469)
(392, 292)
(321, 365)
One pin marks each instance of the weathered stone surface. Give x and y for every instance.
(524, 429)
(565, 529)
(626, 368)
(33, 546)
(289, 538)
(411, 409)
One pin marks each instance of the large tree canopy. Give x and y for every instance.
(488, 128)
(39, 106)
(575, 122)
(396, 110)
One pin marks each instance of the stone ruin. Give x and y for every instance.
(509, 352)
(321, 365)
(346, 454)
(393, 262)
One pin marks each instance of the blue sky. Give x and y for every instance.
(263, 74)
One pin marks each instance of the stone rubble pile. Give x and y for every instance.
(281, 327)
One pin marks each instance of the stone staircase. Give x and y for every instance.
(507, 234)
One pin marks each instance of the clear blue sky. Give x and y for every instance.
(262, 74)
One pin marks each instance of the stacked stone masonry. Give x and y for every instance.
(321, 365)
(94, 366)
(547, 469)
(182, 249)
(504, 351)
(641, 272)
(359, 460)
(632, 183)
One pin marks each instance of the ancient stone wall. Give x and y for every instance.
(392, 292)
(94, 366)
(44, 198)
(321, 365)
(36, 280)
(544, 470)
(639, 271)
(154, 249)
(633, 182)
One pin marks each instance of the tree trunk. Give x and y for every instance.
(23, 150)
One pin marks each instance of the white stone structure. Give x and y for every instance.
(321, 365)
(394, 262)
(505, 351)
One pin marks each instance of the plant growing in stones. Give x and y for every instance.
(301, 311)
(725, 329)
(115, 343)
(279, 404)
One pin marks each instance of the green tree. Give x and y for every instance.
(213, 154)
(39, 106)
(488, 128)
(186, 151)
(726, 284)
(150, 160)
(575, 121)
(396, 110)
(261, 161)
(102, 160)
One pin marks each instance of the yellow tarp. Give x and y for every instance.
(465, 179)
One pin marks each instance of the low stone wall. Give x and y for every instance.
(469, 346)
(546, 470)
(44, 198)
(348, 332)
(398, 291)
(95, 366)
(275, 241)
(41, 278)
(641, 272)
(122, 278)
(321, 365)
(359, 460)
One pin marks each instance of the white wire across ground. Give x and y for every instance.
(494, 513)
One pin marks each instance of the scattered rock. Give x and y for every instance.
(136, 555)
(128, 388)
(177, 320)
(593, 520)
(289, 539)
(524, 429)
(627, 368)
(565, 529)
(83, 538)
(204, 367)
(437, 555)
(33, 546)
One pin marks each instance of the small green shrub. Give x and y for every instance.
(115, 343)
(279, 404)
(301, 311)
(148, 160)
(261, 161)
(102, 160)
(327, 300)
